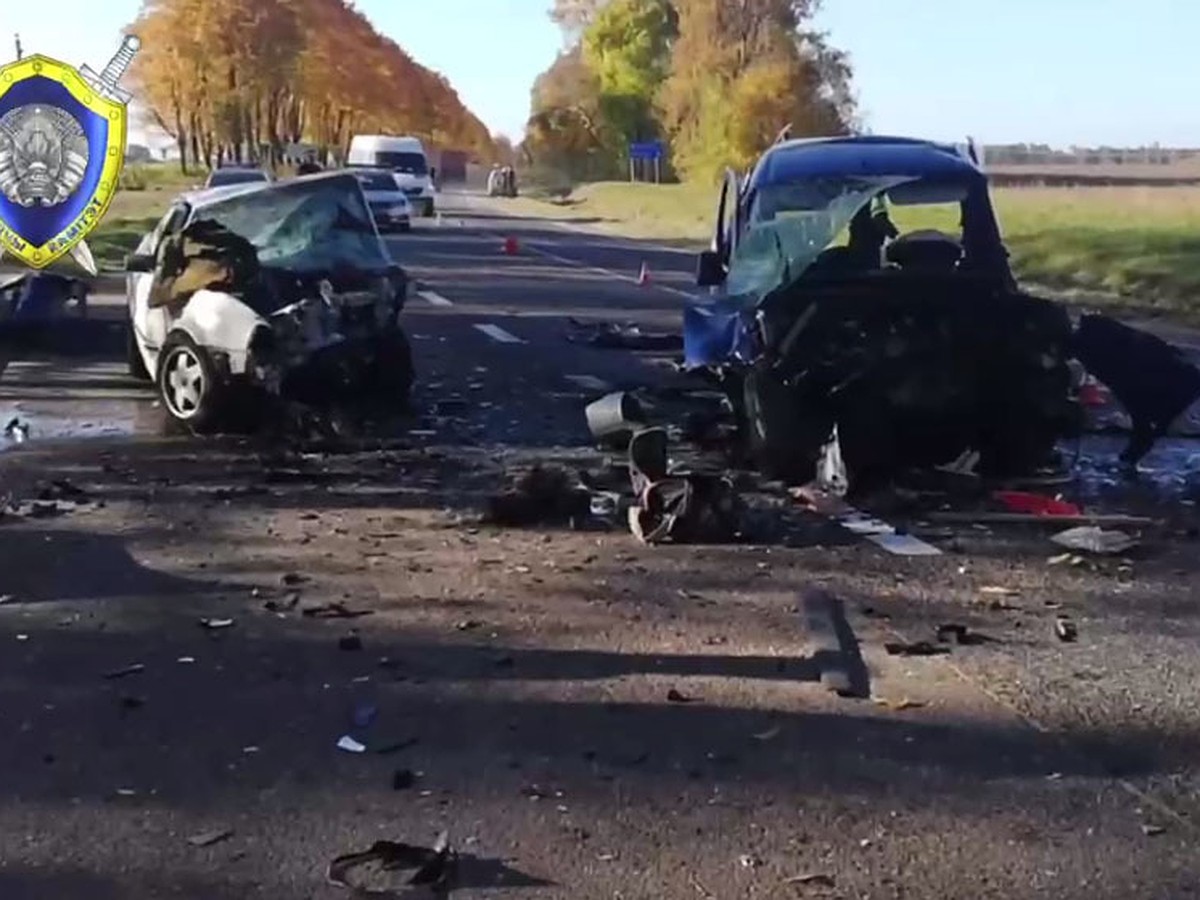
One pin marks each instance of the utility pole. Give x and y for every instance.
(17, 38)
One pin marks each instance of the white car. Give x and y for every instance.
(389, 204)
(282, 287)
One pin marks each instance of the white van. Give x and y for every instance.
(405, 157)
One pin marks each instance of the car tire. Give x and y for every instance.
(782, 441)
(188, 385)
(405, 228)
(133, 356)
(428, 214)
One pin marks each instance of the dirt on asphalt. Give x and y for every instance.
(189, 638)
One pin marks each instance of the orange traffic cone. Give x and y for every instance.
(644, 275)
(510, 246)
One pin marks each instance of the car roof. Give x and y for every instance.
(203, 197)
(396, 142)
(368, 170)
(863, 155)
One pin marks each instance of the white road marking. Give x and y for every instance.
(616, 238)
(588, 382)
(498, 334)
(607, 272)
(433, 298)
(884, 535)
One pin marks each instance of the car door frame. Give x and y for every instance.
(150, 325)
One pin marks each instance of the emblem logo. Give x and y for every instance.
(62, 148)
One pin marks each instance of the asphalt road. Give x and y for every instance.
(586, 717)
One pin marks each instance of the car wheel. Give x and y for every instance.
(404, 227)
(187, 384)
(429, 210)
(133, 356)
(782, 440)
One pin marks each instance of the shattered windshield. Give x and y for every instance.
(791, 224)
(310, 226)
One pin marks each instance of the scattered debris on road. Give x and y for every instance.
(334, 611)
(134, 669)
(1027, 503)
(1065, 629)
(916, 648)
(16, 430)
(431, 866)
(350, 745)
(814, 879)
(216, 624)
(676, 505)
(613, 419)
(899, 705)
(1091, 539)
(208, 838)
(626, 336)
(960, 634)
(541, 495)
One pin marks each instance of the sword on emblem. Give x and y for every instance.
(107, 84)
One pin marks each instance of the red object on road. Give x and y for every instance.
(1092, 393)
(510, 246)
(644, 275)
(1036, 504)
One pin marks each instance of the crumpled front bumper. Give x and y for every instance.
(716, 333)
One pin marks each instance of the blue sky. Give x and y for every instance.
(1053, 71)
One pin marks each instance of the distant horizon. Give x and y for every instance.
(930, 71)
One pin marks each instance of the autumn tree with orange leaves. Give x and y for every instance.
(241, 79)
(715, 80)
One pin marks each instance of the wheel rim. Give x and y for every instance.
(184, 384)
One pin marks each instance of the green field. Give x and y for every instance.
(1139, 243)
(146, 192)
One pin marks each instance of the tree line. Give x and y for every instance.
(238, 80)
(716, 80)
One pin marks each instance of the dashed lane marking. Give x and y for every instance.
(632, 279)
(588, 382)
(498, 334)
(433, 298)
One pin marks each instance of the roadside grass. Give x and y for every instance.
(146, 191)
(1141, 243)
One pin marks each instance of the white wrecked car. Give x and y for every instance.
(284, 288)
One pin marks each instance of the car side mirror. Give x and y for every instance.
(710, 269)
(140, 262)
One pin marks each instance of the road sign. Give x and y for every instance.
(651, 150)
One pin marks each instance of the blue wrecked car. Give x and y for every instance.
(826, 325)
